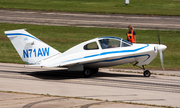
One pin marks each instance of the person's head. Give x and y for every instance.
(130, 27)
(106, 41)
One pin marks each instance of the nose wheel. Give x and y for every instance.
(146, 73)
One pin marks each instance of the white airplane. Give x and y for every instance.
(88, 56)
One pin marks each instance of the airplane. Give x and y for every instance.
(87, 56)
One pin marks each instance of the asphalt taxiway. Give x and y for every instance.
(90, 19)
(105, 86)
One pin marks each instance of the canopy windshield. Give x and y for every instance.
(113, 42)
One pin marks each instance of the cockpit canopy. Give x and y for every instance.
(107, 42)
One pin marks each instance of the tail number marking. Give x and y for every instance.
(28, 53)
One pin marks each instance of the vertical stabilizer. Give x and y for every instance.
(30, 48)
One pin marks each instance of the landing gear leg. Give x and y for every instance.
(146, 73)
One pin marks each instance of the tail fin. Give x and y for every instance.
(30, 48)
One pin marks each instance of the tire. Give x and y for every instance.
(87, 72)
(147, 73)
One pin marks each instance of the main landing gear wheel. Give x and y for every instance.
(147, 73)
(87, 72)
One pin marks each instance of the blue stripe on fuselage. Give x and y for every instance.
(124, 51)
(111, 60)
(110, 52)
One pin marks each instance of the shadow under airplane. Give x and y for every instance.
(65, 74)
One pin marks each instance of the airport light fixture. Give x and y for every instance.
(126, 2)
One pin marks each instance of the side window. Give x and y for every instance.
(91, 46)
(114, 43)
(124, 44)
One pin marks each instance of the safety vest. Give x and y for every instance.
(131, 37)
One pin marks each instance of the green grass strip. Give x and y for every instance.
(63, 38)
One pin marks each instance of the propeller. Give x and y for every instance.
(160, 49)
(159, 39)
(161, 58)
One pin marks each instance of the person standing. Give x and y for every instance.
(131, 35)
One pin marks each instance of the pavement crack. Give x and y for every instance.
(34, 103)
(88, 105)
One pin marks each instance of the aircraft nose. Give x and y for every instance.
(161, 47)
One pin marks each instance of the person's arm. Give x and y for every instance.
(127, 36)
(134, 36)
(104, 46)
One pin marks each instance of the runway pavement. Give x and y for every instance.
(90, 19)
(105, 85)
(22, 100)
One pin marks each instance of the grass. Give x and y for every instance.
(63, 38)
(147, 7)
